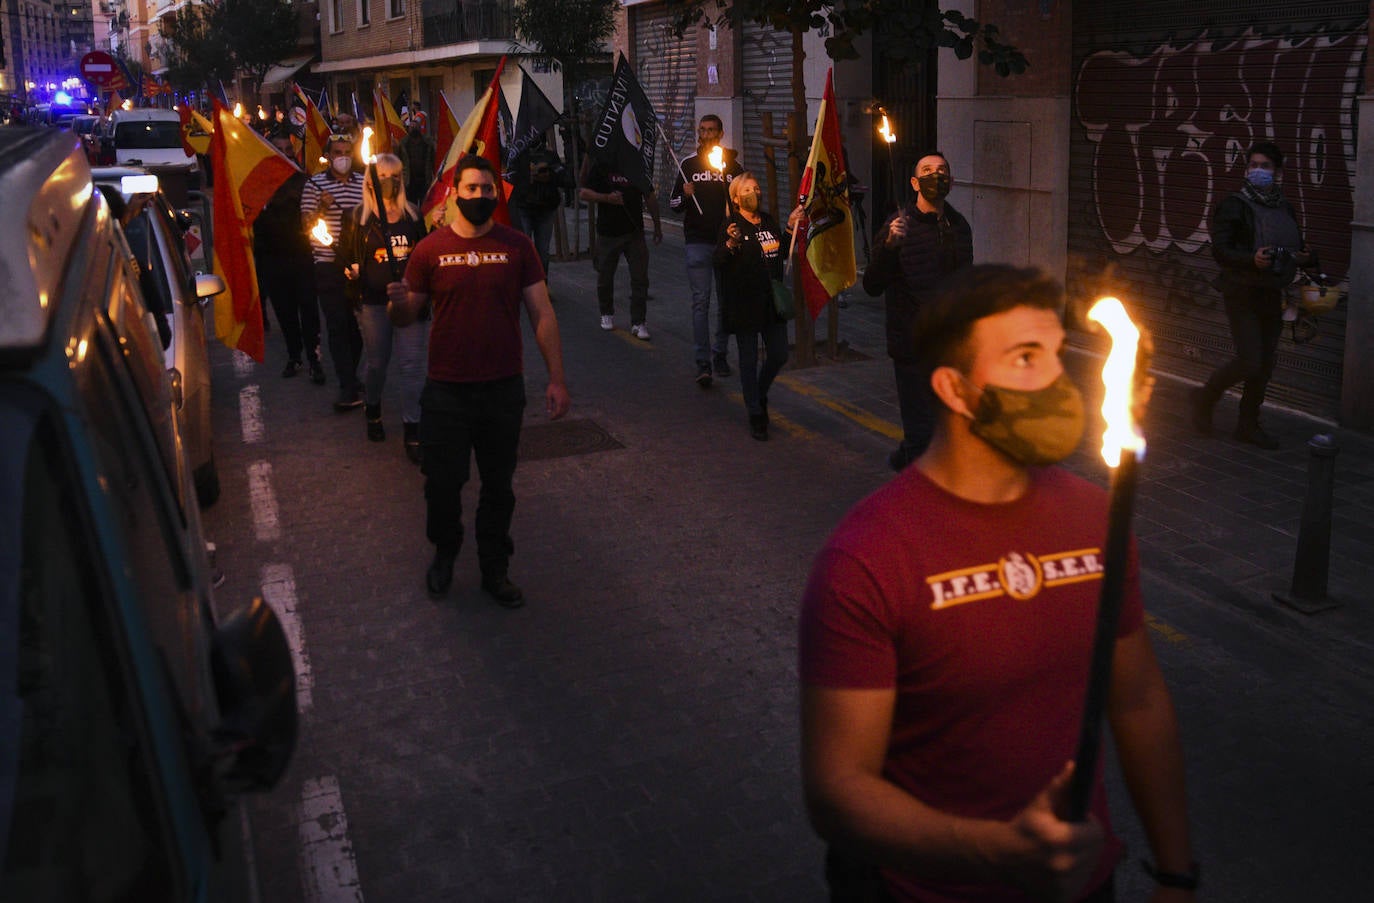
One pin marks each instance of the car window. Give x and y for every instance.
(152, 270)
(87, 821)
(147, 135)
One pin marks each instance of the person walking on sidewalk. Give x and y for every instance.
(916, 248)
(620, 230)
(281, 253)
(326, 196)
(365, 263)
(1257, 241)
(944, 670)
(478, 274)
(699, 194)
(749, 258)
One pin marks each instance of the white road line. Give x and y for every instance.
(243, 365)
(264, 502)
(329, 873)
(251, 424)
(279, 589)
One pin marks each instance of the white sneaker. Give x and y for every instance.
(640, 331)
(608, 323)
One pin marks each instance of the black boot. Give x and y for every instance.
(1254, 434)
(439, 577)
(758, 426)
(375, 431)
(412, 441)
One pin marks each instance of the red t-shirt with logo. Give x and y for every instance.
(982, 619)
(476, 286)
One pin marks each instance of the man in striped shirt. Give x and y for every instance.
(328, 196)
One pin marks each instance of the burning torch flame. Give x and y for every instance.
(1118, 379)
(128, 104)
(717, 158)
(321, 233)
(262, 114)
(886, 131)
(368, 157)
(238, 110)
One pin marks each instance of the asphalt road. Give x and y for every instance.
(631, 734)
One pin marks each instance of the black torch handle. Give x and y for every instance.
(1104, 639)
(381, 216)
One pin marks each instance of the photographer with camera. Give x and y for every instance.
(1257, 241)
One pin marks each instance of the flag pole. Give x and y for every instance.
(668, 144)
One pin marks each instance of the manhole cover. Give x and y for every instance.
(563, 439)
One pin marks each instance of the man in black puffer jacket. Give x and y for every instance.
(914, 251)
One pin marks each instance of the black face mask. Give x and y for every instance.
(476, 210)
(934, 186)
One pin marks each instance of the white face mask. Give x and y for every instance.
(341, 165)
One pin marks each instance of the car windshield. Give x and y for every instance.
(147, 135)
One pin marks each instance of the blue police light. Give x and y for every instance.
(63, 98)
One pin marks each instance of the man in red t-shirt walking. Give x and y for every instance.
(946, 634)
(478, 274)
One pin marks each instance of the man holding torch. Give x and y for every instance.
(700, 194)
(924, 241)
(947, 629)
(324, 199)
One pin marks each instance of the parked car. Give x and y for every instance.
(172, 288)
(132, 715)
(84, 127)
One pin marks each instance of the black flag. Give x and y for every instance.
(535, 117)
(626, 135)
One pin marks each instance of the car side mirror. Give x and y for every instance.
(255, 684)
(184, 220)
(208, 285)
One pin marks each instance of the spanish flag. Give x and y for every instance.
(195, 131)
(481, 135)
(391, 131)
(446, 129)
(248, 171)
(314, 132)
(826, 244)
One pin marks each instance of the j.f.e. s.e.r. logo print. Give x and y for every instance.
(1019, 575)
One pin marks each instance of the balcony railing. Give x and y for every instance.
(457, 21)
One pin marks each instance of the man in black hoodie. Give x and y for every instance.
(918, 246)
(700, 197)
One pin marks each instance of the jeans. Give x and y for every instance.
(701, 277)
(290, 285)
(636, 251)
(458, 420)
(410, 343)
(538, 225)
(914, 402)
(1256, 318)
(755, 380)
(345, 341)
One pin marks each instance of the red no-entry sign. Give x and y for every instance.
(102, 70)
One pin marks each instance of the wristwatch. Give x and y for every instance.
(1183, 881)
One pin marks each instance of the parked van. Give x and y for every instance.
(132, 712)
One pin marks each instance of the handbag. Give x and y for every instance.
(782, 300)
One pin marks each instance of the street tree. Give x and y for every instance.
(568, 34)
(212, 42)
(903, 33)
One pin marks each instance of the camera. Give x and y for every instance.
(1281, 258)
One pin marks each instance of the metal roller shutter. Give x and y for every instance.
(767, 60)
(667, 69)
(1167, 96)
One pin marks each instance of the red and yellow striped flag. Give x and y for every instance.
(248, 171)
(826, 244)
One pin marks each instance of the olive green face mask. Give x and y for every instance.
(1039, 427)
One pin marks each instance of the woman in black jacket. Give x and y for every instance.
(362, 253)
(749, 256)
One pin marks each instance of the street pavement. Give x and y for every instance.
(631, 734)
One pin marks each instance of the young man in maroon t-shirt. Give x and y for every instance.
(478, 274)
(946, 634)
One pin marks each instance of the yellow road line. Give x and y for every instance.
(624, 336)
(1166, 631)
(796, 430)
(863, 418)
